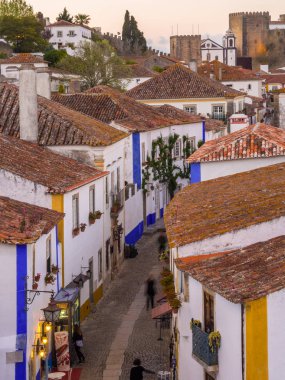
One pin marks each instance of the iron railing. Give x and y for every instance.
(201, 349)
(117, 201)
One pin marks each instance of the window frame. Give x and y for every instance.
(194, 106)
(100, 264)
(92, 203)
(75, 211)
(48, 254)
(59, 34)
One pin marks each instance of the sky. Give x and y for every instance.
(157, 19)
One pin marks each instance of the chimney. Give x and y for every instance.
(220, 73)
(193, 65)
(28, 103)
(43, 82)
(212, 75)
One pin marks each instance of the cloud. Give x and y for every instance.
(163, 40)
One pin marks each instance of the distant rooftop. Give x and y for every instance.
(22, 58)
(224, 72)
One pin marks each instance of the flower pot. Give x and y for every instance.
(35, 286)
(54, 269)
(76, 231)
(82, 227)
(37, 277)
(174, 311)
(92, 220)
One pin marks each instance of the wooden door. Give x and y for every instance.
(209, 312)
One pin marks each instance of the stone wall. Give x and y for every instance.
(186, 48)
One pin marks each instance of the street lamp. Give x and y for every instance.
(52, 314)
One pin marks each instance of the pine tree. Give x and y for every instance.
(65, 15)
(133, 39)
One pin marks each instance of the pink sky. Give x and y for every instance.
(157, 19)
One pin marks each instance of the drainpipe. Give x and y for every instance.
(242, 341)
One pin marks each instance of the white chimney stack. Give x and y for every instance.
(28, 103)
(193, 65)
(43, 82)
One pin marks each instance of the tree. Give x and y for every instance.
(54, 56)
(97, 63)
(23, 33)
(133, 39)
(82, 19)
(65, 15)
(15, 8)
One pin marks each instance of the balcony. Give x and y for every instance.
(117, 203)
(201, 350)
(219, 116)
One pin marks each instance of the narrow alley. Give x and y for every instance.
(120, 328)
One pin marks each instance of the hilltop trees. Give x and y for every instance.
(97, 63)
(15, 8)
(65, 15)
(82, 19)
(133, 39)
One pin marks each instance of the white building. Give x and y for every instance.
(249, 148)
(68, 36)
(145, 199)
(182, 88)
(211, 50)
(28, 247)
(138, 74)
(238, 121)
(215, 221)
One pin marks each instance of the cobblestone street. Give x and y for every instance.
(120, 328)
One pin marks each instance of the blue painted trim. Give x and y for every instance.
(21, 264)
(204, 130)
(38, 377)
(195, 172)
(57, 262)
(151, 219)
(133, 236)
(137, 178)
(161, 212)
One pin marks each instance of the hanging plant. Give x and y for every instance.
(37, 277)
(75, 231)
(195, 322)
(54, 269)
(49, 279)
(214, 340)
(83, 227)
(35, 286)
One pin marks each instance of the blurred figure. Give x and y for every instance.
(137, 370)
(150, 291)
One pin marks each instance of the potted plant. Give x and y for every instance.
(54, 269)
(195, 322)
(83, 227)
(116, 206)
(49, 279)
(164, 256)
(165, 272)
(37, 277)
(167, 280)
(35, 286)
(94, 215)
(75, 231)
(214, 340)
(175, 304)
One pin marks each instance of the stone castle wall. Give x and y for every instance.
(186, 48)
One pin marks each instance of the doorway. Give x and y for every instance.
(157, 204)
(91, 281)
(209, 312)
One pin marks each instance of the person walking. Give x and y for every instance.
(150, 292)
(77, 339)
(138, 370)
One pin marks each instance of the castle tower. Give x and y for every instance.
(186, 48)
(230, 51)
(251, 31)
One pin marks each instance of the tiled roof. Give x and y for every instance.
(241, 275)
(23, 223)
(58, 125)
(179, 82)
(23, 58)
(139, 71)
(210, 124)
(258, 140)
(67, 23)
(228, 73)
(212, 208)
(109, 105)
(42, 166)
(275, 78)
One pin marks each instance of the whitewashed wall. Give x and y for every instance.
(130, 83)
(11, 70)
(213, 54)
(243, 86)
(276, 334)
(211, 170)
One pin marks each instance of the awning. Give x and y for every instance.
(161, 310)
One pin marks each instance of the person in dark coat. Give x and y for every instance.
(77, 339)
(150, 292)
(138, 370)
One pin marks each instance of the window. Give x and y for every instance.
(249, 86)
(231, 42)
(71, 33)
(216, 57)
(92, 198)
(112, 183)
(186, 287)
(191, 108)
(75, 211)
(177, 148)
(48, 254)
(100, 265)
(208, 57)
(229, 85)
(218, 112)
(118, 180)
(192, 143)
(107, 191)
(143, 152)
(209, 313)
(107, 254)
(59, 34)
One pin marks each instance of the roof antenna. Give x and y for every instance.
(177, 30)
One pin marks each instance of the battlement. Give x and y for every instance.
(192, 36)
(111, 36)
(251, 14)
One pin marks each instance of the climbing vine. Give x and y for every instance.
(160, 165)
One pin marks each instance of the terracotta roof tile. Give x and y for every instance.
(23, 223)
(58, 125)
(228, 73)
(23, 58)
(258, 140)
(139, 71)
(42, 166)
(67, 24)
(109, 105)
(276, 78)
(241, 275)
(211, 208)
(179, 82)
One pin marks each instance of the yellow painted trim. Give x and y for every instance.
(190, 100)
(58, 205)
(256, 340)
(98, 294)
(84, 310)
